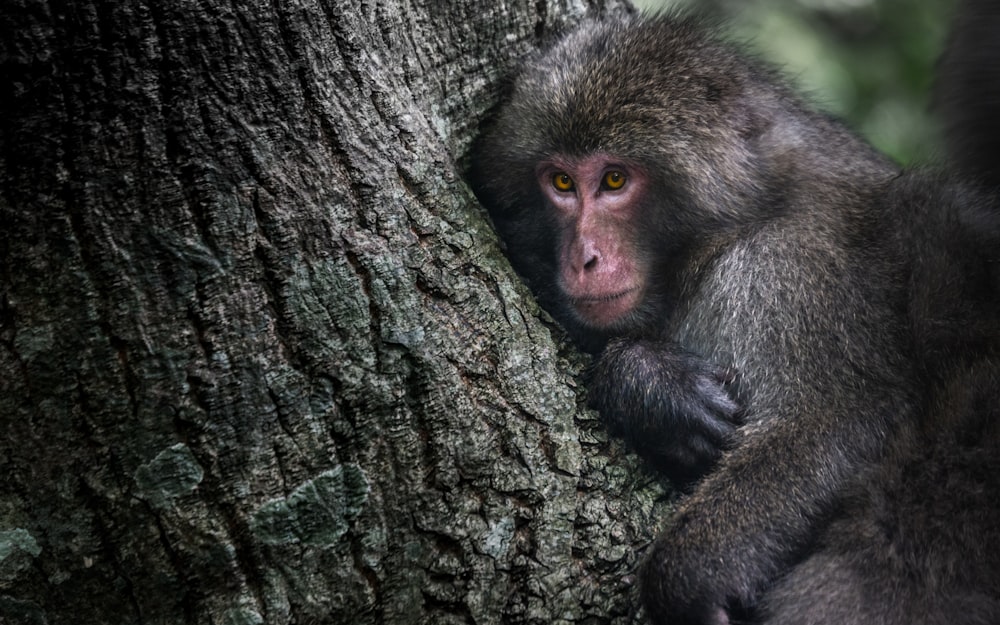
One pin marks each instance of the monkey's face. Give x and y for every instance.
(596, 200)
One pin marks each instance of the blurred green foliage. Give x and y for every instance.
(870, 62)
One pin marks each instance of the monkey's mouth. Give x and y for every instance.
(602, 310)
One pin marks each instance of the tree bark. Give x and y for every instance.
(261, 357)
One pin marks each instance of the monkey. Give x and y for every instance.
(967, 91)
(799, 333)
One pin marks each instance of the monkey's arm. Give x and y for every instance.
(814, 332)
(670, 405)
(752, 518)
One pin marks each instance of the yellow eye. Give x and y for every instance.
(562, 182)
(614, 180)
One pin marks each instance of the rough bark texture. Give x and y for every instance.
(261, 358)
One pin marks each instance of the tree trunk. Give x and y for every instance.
(261, 357)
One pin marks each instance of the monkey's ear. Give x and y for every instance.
(749, 120)
(768, 122)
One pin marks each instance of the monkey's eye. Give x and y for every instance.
(562, 182)
(614, 180)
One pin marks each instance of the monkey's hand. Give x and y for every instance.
(684, 586)
(670, 405)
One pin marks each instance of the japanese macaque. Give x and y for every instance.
(786, 324)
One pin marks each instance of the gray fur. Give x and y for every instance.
(850, 310)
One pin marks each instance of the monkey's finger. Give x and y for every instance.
(718, 400)
(727, 408)
(724, 375)
(707, 425)
(692, 453)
